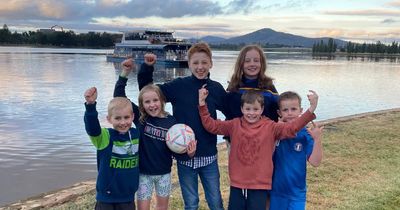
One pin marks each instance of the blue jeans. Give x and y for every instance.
(209, 176)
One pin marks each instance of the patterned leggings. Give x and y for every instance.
(161, 183)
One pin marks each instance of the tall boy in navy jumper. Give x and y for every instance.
(117, 153)
(183, 93)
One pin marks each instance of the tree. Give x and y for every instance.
(5, 34)
(330, 45)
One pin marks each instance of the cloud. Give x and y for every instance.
(11, 5)
(393, 33)
(165, 8)
(370, 12)
(330, 33)
(40, 10)
(361, 36)
(245, 6)
(388, 21)
(394, 3)
(107, 3)
(86, 10)
(289, 4)
(114, 15)
(86, 13)
(52, 10)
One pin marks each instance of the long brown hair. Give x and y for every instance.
(264, 82)
(149, 88)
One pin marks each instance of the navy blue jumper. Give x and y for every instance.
(183, 93)
(117, 159)
(155, 157)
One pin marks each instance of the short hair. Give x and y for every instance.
(288, 95)
(157, 90)
(200, 47)
(119, 103)
(252, 96)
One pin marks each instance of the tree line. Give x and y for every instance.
(351, 47)
(59, 38)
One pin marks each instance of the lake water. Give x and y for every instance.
(43, 144)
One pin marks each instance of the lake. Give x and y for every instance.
(43, 143)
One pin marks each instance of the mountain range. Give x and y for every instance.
(271, 37)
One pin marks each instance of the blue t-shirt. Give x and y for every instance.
(290, 166)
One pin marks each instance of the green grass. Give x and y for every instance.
(361, 165)
(360, 169)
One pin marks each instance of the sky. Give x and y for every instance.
(355, 20)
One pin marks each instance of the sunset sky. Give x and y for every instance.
(356, 20)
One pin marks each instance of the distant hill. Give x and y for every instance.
(213, 39)
(267, 35)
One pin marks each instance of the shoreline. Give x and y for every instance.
(60, 196)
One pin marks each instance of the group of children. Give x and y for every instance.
(265, 154)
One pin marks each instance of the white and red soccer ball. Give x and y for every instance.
(178, 137)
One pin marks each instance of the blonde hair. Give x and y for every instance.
(119, 103)
(157, 90)
(200, 47)
(264, 82)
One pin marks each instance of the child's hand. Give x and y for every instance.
(203, 93)
(316, 155)
(91, 95)
(191, 148)
(313, 98)
(315, 131)
(127, 67)
(150, 59)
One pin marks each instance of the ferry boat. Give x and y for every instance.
(170, 51)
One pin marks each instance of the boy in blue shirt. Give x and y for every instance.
(290, 158)
(117, 153)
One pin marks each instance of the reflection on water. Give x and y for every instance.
(43, 144)
(162, 73)
(371, 58)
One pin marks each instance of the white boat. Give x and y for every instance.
(169, 50)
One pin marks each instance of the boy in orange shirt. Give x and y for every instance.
(253, 139)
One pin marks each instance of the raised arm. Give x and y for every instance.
(127, 67)
(92, 124)
(317, 152)
(313, 98)
(211, 125)
(119, 90)
(145, 74)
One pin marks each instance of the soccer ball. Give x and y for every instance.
(178, 137)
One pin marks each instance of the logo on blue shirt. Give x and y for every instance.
(298, 147)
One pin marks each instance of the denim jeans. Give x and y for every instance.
(209, 176)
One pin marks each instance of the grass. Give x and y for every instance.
(360, 169)
(361, 165)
